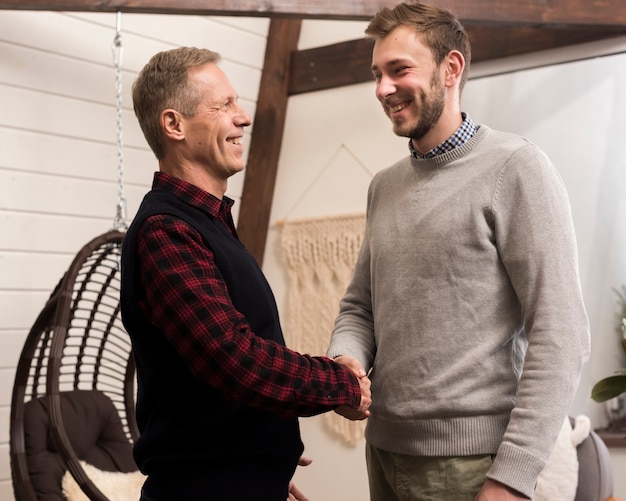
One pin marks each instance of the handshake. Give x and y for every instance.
(362, 412)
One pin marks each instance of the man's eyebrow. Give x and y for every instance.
(392, 62)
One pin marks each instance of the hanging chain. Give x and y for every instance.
(118, 50)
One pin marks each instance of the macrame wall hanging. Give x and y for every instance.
(320, 255)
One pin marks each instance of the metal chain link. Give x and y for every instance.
(118, 50)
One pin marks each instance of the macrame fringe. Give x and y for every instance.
(320, 255)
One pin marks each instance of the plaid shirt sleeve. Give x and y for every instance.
(186, 297)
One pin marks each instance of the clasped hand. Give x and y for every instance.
(362, 412)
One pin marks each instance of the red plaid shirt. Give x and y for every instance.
(186, 297)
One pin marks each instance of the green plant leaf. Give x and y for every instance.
(608, 388)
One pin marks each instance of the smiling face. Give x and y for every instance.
(408, 83)
(214, 135)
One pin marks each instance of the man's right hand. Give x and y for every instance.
(362, 412)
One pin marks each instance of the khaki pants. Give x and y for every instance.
(396, 477)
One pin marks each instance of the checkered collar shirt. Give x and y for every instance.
(467, 129)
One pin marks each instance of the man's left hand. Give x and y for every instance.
(296, 494)
(495, 491)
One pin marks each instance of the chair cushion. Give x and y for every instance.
(95, 432)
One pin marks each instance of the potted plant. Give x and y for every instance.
(613, 386)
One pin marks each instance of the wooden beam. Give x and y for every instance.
(335, 65)
(495, 42)
(348, 63)
(267, 137)
(524, 12)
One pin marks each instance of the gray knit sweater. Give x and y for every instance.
(466, 304)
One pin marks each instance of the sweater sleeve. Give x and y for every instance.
(186, 296)
(353, 333)
(536, 242)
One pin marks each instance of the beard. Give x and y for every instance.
(430, 108)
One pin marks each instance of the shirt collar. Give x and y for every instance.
(193, 195)
(465, 131)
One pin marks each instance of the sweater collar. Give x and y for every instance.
(466, 131)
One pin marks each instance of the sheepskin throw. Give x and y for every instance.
(116, 486)
(320, 255)
(559, 478)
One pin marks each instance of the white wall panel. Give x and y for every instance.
(258, 25)
(6, 488)
(41, 152)
(11, 342)
(62, 195)
(42, 233)
(6, 385)
(32, 272)
(4, 425)
(20, 309)
(247, 40)
(59, 115)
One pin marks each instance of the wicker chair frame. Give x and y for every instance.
(77, 342)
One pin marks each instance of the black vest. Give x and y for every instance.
(191, 435)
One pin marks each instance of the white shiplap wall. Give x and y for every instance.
(58, 154)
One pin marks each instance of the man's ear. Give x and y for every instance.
(171, 124)
(454, 65)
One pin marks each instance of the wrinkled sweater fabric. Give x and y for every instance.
(466, 305)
